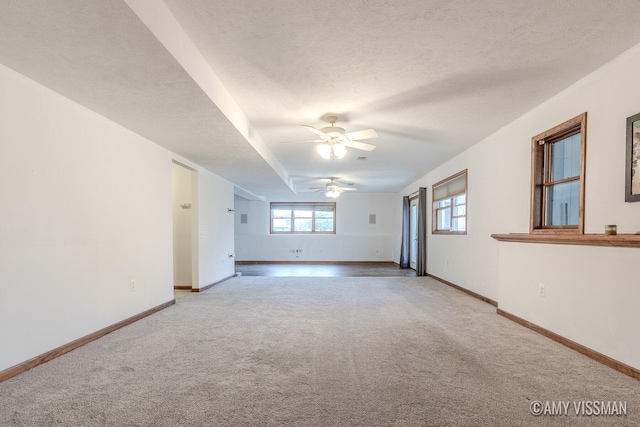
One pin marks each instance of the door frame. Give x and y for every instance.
(413, 231)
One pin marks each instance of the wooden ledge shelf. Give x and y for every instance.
(619, 240)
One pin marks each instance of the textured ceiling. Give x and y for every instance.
(431, 77)
(100, 55)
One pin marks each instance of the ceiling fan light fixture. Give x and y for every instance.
(335, 141)
(339, 150)
(329, 150)
(332, 193)
(324, 150)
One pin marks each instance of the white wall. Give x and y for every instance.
(215, 229)
(86, 208)
(591, 291)
(355, 238)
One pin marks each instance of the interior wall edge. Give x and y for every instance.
(465, 290)
(57, 352)
(592, 354)
(204, 288)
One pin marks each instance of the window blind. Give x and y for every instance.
(451, 187)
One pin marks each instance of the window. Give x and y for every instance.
(303, 218)
(450, 205)
(557, 178)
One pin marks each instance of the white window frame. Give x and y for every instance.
(313, 207)
(448, 190)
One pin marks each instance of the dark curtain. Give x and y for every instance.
(421, 261)
(404, 248)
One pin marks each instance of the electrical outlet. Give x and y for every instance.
(132, 286)
(541, 290)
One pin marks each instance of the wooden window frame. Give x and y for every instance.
(540, 182)
(434, 214)
(313, 217)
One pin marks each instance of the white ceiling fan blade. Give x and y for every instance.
(360, 145)
(362, 134)
(295, 142)
(347, 189)
(316, 131)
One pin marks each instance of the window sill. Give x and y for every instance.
(618, 240)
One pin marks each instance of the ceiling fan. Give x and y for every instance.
(332, 188)
(336, 140)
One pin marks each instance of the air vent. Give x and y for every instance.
(362, 158)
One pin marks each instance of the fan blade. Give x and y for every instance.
(362, 134)
(295, 142)
(347, 189)
(360, 145)
(316, 131)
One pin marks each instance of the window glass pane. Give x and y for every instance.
(455, 207)
(281, 224)
(302, 214)
(460, 200)
(302, 224)
(562, 203)
(443, 203)
(444, 219)
(458, 224)
(278, 213)
(324, 214)
(565, 158)
(324, 224)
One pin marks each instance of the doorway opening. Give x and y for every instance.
(184, 202)
(413, 232)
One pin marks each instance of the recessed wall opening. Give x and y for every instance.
(184, 206)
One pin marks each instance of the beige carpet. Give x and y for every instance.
(272, 351)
